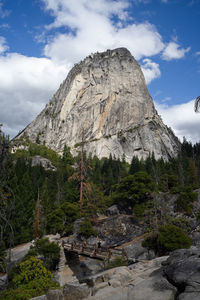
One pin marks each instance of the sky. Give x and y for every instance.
(41, 40)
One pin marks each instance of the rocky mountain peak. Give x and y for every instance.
(105, 105)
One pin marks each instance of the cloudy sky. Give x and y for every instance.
(40, 40)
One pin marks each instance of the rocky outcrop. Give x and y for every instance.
(136, 252)
(64, 274)
(112, 211)
(76, 291)
(119, 229)
(3, 281)
(182, 269)
(51, 295)
(44, 162)
(138, 281)
(16, 254)
(105, 105)
(166, 278)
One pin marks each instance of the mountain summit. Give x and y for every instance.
(104, 105)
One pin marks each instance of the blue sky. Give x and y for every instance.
(40, 40)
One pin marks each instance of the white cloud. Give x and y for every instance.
(150, 70)
(142, 40)
(182, 119)
(3, 12)
(26, 84)
(4, 26)
(173, 51)
(75, 13)
(92, 29)
(3, 45)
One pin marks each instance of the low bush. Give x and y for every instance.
(86, 229)
(151, 242)
(50, 252)
(117, 262)
(168, 238)
(181, 222)
(31, 280)
(185, 200)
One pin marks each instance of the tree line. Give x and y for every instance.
(53, 197)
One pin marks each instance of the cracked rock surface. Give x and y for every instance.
(182, 269)
(104, 103)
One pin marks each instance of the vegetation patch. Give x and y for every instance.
(116, 262)
(185, 200)
(134, 189)
(50, 251)
(168, 238)
(86, 229)
(32, 279)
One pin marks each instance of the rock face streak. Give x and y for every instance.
(104, 104)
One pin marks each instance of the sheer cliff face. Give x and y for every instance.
(105, 104)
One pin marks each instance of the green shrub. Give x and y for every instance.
(18, 294)
(171, 237)
(50, 251)
(134, 189)
(181, 222)
(198, 215)
(86, 229)
(31, 280)
(151, 242)
(140, 209)
(117, 262)
(61, 219)
(185, 200)
(168, 238)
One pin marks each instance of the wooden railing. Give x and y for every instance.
(93, 251)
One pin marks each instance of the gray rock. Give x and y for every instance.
(76, 291)
(53, 237)
(92, 240)
(43, 297)
(120, 229)
(76, 227)
(55, 295)
(153, 288)
(3, 281)
(195, 237)
(99, 287)
(112, 211)
(117, 113)
(129, 286)
(189, 296)
(182, 268)
(16, 254)
(44, 162)
(51, 295)
(135, 252)
(120, 276)
(140, 281)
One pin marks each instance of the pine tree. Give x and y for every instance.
(135, 165)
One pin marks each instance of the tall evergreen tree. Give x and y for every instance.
(135, 166)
